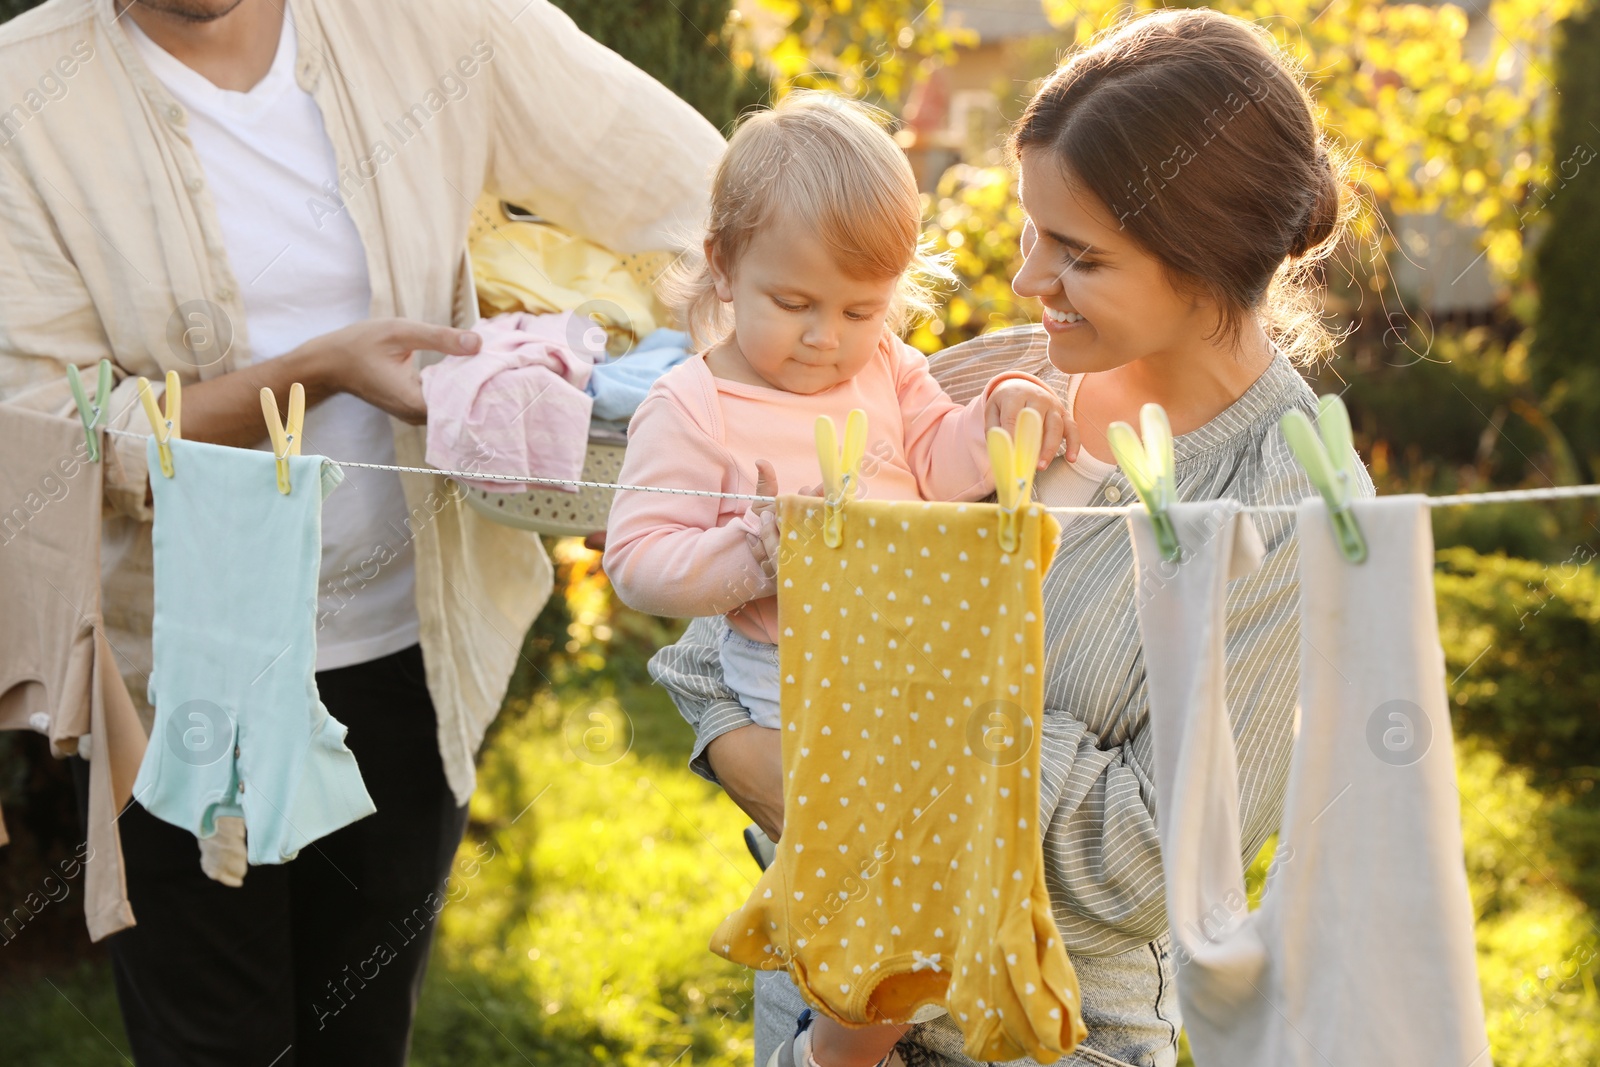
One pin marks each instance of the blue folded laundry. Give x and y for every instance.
(620, 385)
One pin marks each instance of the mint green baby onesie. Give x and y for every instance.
(239, 727)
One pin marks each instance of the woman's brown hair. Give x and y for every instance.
(1197, 135)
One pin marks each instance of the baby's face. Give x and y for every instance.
(800, 323)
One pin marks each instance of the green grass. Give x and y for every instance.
(587, 894)
(582, 902)
(68, 1019)
(578, 925)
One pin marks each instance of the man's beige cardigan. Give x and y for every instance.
(109, 237)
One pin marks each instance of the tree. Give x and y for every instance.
(1441, 120)
(1438, 121)
(686, 45)
(1565, 358)
(865, 49)
(10, 9)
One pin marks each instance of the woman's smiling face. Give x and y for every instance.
(1107, 302)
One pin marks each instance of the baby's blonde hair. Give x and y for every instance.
(827, 162)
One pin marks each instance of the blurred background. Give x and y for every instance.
(596, 865)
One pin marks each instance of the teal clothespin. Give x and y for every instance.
(1151, 470)
(1329, 460)
(93, 415)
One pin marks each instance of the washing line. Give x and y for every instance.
(1502, 496)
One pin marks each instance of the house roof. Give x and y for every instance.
(998, 20)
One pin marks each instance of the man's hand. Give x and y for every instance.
(369, 359)
(372, 360)
(1008, 400)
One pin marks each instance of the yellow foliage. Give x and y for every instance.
(1406, 85)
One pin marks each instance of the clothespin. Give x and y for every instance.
(93, 415)
(1329, 460)
(841, 473)
(1014, 464)
(167, 426)
(1150, 469)
(285, 439)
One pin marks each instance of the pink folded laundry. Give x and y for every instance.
(518, 406)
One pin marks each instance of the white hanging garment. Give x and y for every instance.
(1362, 951)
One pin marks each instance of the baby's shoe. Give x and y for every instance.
(760, 846)
(793, 1052)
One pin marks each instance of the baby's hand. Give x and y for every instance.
(765, 546)
(1011, 396)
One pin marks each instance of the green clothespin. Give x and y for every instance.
(93, 415)
(1149, 467)
(1329, 460)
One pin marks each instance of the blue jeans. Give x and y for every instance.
(750, 669)
(1130, 1005)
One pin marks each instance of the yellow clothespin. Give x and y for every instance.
(285, 439)
(1014, 464)
(841, 474)
(167, 426)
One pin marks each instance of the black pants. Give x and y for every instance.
(317, 961)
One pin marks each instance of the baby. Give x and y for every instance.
(812, 266)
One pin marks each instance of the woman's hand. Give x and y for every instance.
(749, 764)
(1009, 399)
(372, 360)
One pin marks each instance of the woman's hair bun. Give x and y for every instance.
(1322, 216)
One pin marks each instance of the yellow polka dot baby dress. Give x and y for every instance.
(911, 871)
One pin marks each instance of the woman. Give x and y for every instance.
(1177, 193)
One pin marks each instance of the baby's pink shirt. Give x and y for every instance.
(687, 556)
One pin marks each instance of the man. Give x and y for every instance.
(256, 193)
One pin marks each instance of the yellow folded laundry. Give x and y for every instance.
(540, 268)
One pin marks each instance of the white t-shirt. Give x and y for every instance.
(301, 274)
(1072, 485)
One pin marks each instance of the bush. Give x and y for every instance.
(1536, 940)
(1457, 418)
(1522, 643)
(1466, 418)
(1567, 343)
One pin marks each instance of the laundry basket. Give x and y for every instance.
(553, 511)
(557, 512)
